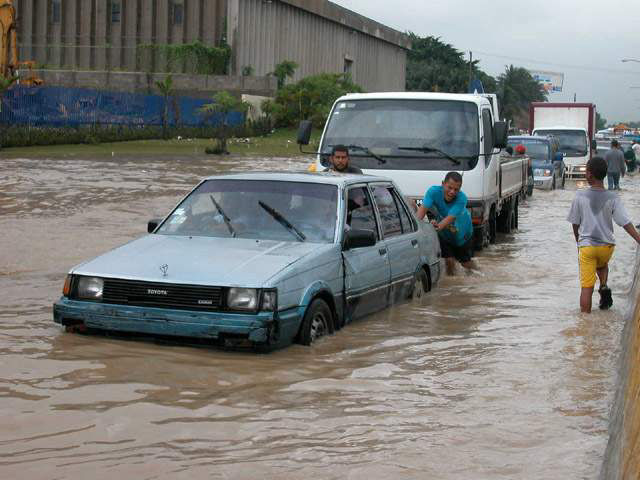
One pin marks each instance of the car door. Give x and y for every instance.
(400, 237)
(367, 272)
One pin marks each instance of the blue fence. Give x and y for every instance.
(73, 107)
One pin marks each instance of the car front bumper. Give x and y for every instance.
(543, 182)
(263, 328)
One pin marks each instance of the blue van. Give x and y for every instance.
(548, 163)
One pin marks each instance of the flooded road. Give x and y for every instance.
(491, 376)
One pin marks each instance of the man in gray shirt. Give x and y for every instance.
(592, 214)
(615, 165)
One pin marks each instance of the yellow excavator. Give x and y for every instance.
(9, 64)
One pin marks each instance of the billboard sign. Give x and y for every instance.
(551, 81)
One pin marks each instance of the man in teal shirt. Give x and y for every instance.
(453, 223)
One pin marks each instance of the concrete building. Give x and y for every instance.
(318, 35)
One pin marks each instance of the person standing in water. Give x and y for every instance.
(592, 214)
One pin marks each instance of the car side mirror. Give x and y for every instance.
(559, 157)
(304, 132)
(153, 224)
(358, 239)
(500, 134)
(594, 145)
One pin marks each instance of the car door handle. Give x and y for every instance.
(382, 251)
(414, 242)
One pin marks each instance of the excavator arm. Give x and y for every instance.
(8, 39)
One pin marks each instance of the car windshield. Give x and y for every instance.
(408, 134)
(536, 150)
(573, 143)
(259, 209)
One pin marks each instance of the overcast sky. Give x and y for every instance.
(583, 39)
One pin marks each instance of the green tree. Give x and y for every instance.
(311, 98)
(223, 104)
(166, 90)
(433, 65)
(284, 70)
(601, 122)
(516, 90)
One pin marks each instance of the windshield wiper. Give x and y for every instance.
(227, 220)
(282, 221)
(433, 150)
(365, 150)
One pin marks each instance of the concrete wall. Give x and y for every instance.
(318, 35)
(140, 82)
(622, 457)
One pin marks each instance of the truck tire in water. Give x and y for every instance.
(315, 323)
(505, 219)
(493, 227)
(553, 183)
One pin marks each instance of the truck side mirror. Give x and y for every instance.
(559, 157)
(594, 145)
(304, 132)
(500, 134)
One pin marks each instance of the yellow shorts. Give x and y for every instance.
(592, 258)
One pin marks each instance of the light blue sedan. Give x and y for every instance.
(259, 259)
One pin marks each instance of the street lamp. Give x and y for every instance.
(625, 60)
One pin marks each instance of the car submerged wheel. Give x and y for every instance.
(553, 183)
(420, 285)
(316, 322)
(564, 179)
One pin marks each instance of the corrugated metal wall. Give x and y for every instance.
(269, 32)
(266, 33)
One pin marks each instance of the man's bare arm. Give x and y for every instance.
(421, 212)
(631, 230)
(446, 221)
(575, 231)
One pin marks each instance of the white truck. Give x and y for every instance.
(574, 125)
(416, 138)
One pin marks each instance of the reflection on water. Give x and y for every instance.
(491, 376)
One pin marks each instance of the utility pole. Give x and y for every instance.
(470, 66)
(575, 97)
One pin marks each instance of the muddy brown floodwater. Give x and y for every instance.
(491, 376)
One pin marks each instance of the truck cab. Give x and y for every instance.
(574, 146)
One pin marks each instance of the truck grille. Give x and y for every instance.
(161, 295)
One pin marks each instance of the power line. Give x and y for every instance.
(561, 65)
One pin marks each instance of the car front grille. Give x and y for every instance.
(161, 295)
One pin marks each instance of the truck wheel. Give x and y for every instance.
(515, 216)
(492, 226)
(553, 183)
(315, 323)
(564, 179)
(505, 219)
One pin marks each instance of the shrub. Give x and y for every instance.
(311, 98)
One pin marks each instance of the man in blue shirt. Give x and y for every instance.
(453, 223)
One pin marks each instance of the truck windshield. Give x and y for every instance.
(407, 133)
(573, 143)
(536, 150)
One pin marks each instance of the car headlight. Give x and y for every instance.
(582, 168)
(269, 300)
(242, 299)
(90, 288)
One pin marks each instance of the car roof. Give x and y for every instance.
(327, 178)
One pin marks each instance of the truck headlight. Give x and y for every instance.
(547, 173)
(90, 288)
(242, 299)
(538, 172)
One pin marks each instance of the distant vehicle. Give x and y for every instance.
(548, 164)
(259, 260)
(415, 138)
(573, 124)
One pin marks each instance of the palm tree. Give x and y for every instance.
(517, 89)
(166, 90)
(284, 70)
(223, 104)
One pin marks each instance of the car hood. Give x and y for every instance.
(199, 260)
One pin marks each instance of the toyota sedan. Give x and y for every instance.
(261, 260)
